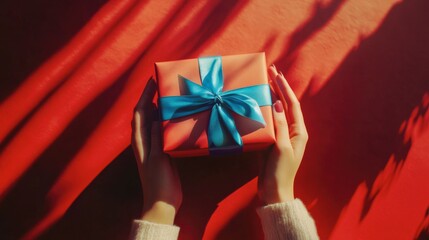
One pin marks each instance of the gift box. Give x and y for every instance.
(215, 105)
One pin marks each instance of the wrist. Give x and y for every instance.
(159, 212)
(279, 197)
(285, 195)
(277, 194)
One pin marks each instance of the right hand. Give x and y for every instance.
(276, 178)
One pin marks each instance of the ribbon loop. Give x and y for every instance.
(211, 73)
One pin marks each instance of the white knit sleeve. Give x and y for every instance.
(288, 220)
(144, 230)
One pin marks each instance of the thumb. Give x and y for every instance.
(156, 140)
(280, 125)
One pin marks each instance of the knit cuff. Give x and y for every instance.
(144, 230)
(287, 220)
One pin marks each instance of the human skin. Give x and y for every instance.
(162, 194)
(278, 171)
(158, 174)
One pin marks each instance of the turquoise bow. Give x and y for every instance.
(222, 132)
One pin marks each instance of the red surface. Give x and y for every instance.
(359, 68)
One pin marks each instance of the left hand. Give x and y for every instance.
(162, 191)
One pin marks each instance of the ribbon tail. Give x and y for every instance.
(221, 130)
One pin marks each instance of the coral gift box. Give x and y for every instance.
(215, 105)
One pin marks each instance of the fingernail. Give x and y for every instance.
(279, 79)
(274, 66)
(278, 106)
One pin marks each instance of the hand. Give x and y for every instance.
(162, 194)
(276, 178)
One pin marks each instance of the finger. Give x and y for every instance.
(156, 140)
(147, 95)
(142, 120)
(138, 141)
(273, 87)
(295, 117)
(281, 126)
(143, 110)
(273, 73)
(297, 129)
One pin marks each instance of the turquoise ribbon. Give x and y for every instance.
(222, 132)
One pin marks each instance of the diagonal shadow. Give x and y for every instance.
(16, 212)
(39, 179)
(354, 120)
(403, 144)
(48, 83)
(28, 117)
(212, 24)
(352, 133)
(23, 48)
(106, 208)
(320, 17)
(423, 230)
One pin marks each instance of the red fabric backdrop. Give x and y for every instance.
(73, 70)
